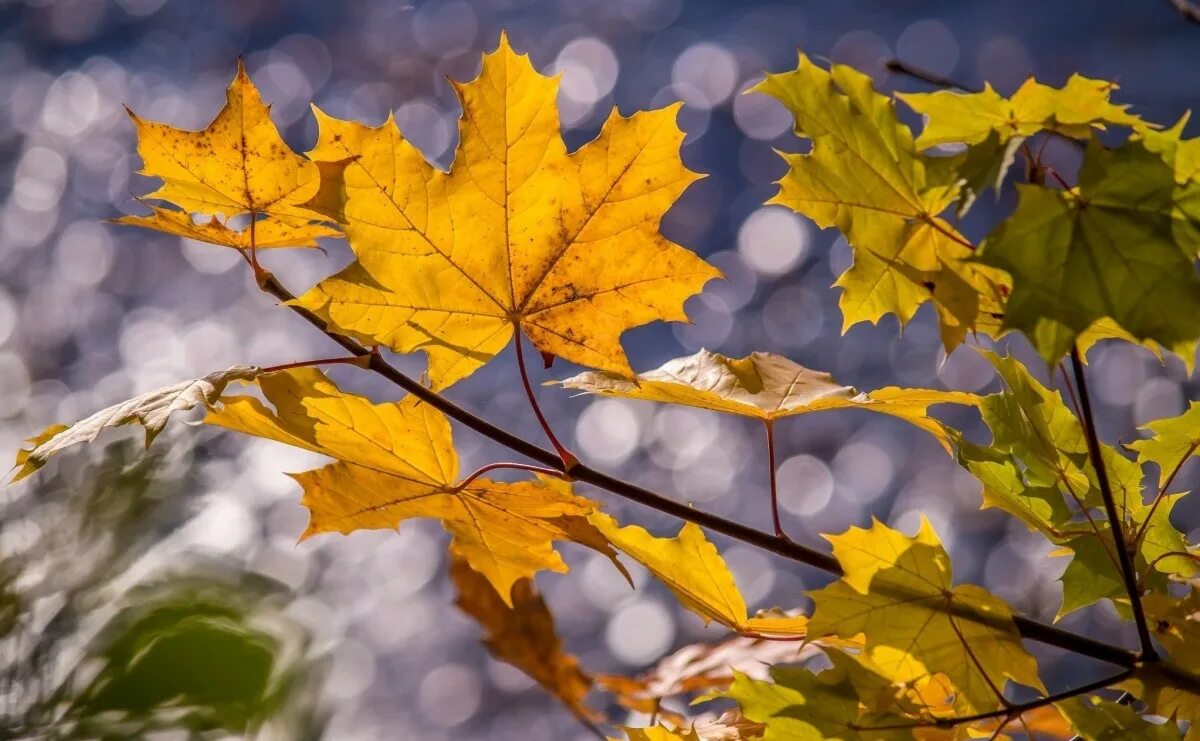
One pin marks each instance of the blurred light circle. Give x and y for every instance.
(704, 75)
(84, 254)
(1003, 61)
(14, 379)
(140, 8)
(589, 68)
(760, 116)
(353, 670)
(738, 286)
(709, 477)
(208, 258)
(862, 471)
(445, 28)
(41, 175)
(684, 435)
(864, 51)
(966, 370)
(793, 317)
(753, 572)
(711, 324)
(928, 44)
(605, 587)
(805, 484)
(450, 695)
(1119, 369)
(1156, 399)
(773, 240)
(8, 316)
(225, 525)
(426, 127)
(608, 431)
(72, 105)
(640, 632)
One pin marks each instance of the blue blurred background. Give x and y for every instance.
(92, 313)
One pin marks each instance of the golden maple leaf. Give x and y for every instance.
(898, 592)
(518, 234)
(396, 461)
(523, 635)
(238, 165)
(692, 568)
(767, 387)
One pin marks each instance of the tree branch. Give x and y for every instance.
(1188, 10)
(1012, 712)
(1128, 574)
(1029, 629)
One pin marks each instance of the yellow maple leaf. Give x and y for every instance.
(396, 461)
(518, 234)
(766, 386)
(1074, 110)
(523, 635)
(239, 164)
(897, 591)
(268, 233)
(692, 568)
(865, 177)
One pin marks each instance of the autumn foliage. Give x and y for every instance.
(522, 241)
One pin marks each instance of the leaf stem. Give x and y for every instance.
(509, 464)
(920, 73)
(343, 360)
(1128, 574)
(569, 459)
(1030, 629)
(1162, 492)
(1010, 713)
(770, 428)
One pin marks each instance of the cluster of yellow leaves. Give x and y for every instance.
(395, 461)
(522, 237)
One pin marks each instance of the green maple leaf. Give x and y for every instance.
(1109, 248)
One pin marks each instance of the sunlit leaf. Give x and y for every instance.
(396, 461)
(151, 410)
(767, 387)
(518, 234)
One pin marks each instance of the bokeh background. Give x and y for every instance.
(110, 550)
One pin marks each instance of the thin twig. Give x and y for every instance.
(1128, 574)
(1188, 10)
(1008, 713)
(924, 75)
(1028, 628)
(1162, 492)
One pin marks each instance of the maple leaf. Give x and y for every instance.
(865, 177)
(1074, 110)
(396, 461)
(523, 634)
(692, 568)
(151, 410)
(1096, 718)
(897, 591)
(800, 705)
(702, 667)
(1173, 442)
(239, 164)
(1108, 248)
(519, 234)
(268, 233)
(1175, 623)
(766, 386)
